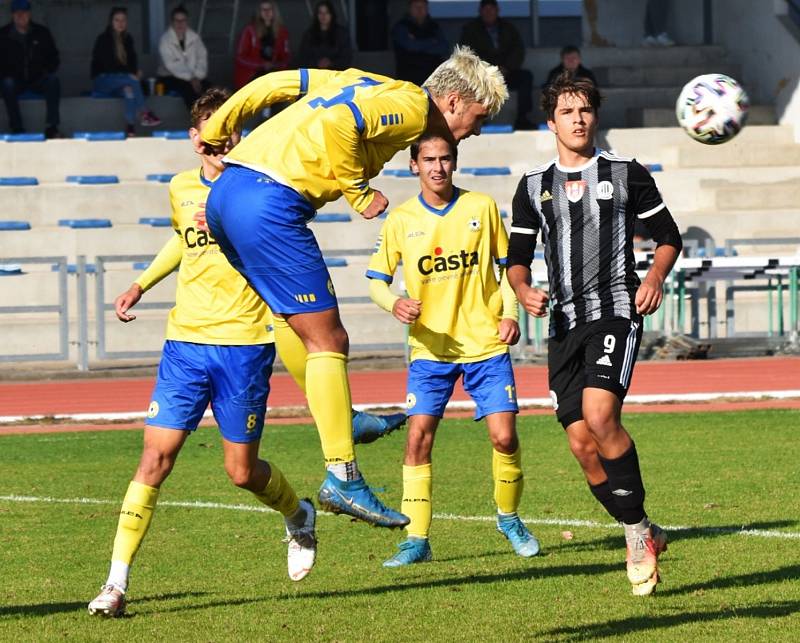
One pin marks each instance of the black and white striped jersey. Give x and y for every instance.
(586, 217)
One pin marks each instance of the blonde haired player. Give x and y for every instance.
(329, 143)
(217, 315)
(462, 322)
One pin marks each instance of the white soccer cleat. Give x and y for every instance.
(302, 544)
(109, 602)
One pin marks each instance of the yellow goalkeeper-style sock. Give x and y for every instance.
(417, 492)
(134, 519)
(279, 494)
(291, 350)
(328, 394)
(508, 480)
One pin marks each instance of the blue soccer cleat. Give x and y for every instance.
(356, 499)
(412, 550)
(368, 427)
(523, 541)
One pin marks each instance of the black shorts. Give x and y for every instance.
(600, 354)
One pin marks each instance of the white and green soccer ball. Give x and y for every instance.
(712, 108)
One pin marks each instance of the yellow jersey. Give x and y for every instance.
(448, 257)
(333, 140)
(214, 304)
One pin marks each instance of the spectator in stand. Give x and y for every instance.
(28, 62)
(325, 44)
(115, 70)
(570, 62)
(263, 45)
(655, 24)
(184, 60)
(419, 44)
(498, 42)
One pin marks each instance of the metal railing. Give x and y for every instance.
(61, 308)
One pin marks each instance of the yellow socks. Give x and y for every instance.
(134, 519)
(417, 492)
(278, 493)
(328, 394)
(508, 480)
(291, 350)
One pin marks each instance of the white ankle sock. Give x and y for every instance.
(118, 575)
(345, 471)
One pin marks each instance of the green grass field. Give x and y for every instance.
(728, 482)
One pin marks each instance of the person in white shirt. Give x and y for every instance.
(183, 64)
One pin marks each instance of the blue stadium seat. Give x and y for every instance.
(15, 225)
(335, 262)
(160, 178)
(487, 171)
(156, 222)
(18, 180)
(76, 224)
(24, 138)
(170, 134)
(497, 129)
(92, 179)
(72, 268)
(655, 167)
(30, 95)
(543, 127)
(10, 269)
(333, 217)
(504, 214)
(403, 174)
(100, 136)
(141, 265)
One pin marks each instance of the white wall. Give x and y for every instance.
(621, 22)
(756, 37)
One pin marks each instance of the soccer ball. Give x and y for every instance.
(712, 108)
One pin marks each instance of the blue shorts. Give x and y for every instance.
(235, 379)
(490, 383)
(261, 227)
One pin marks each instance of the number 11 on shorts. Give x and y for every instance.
(512, 392)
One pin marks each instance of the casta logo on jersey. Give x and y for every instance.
(439, 262)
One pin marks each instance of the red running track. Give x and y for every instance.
(375, 387)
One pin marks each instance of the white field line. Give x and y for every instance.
(457, 405)
(556, 522)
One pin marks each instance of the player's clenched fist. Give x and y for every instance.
(377, 206)
(126, 301)
(509, 331)
(534, 300)
(406, 310)
(649, 295)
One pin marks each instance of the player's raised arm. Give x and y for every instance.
(167, 259)
(277, 87)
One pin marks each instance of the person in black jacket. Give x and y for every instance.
(325, 44)
(28, 62)
(115, 69)
(419, 44)
(571, 62)
(498, 42)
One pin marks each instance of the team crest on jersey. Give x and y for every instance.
(153, 410)
(546, 196)
(411, 401)
(475, 224)
(605, 190)
(575, 190)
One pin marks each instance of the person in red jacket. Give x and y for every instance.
(263, 45)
